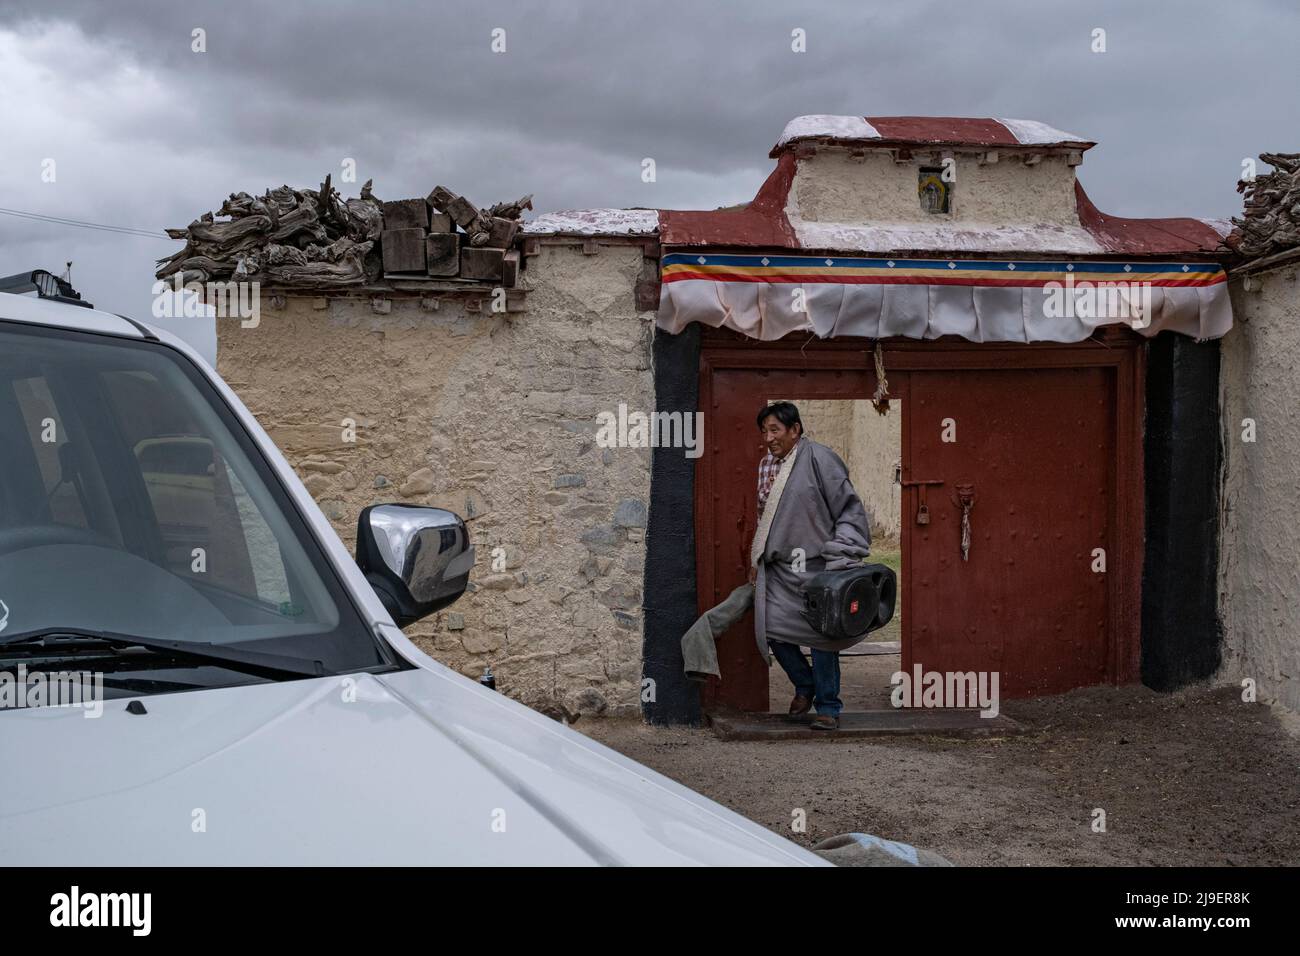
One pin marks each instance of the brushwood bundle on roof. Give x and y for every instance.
(1270, 223)
(312, 238)
(286, 236)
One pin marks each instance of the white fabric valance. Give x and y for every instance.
(769, 296)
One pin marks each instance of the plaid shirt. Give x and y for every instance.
(768, 469)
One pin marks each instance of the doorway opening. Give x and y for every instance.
(871, 445)
(1021, 505)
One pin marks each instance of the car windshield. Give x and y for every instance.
(133, 502)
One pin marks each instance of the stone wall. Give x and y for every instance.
(829, 421)
(1259, 566)
(494, 417)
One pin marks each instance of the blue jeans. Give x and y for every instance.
(821, 682)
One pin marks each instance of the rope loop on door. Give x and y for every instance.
(880, 400)
(964, 498)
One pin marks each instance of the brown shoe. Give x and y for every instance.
(825, 722)
(800, 705)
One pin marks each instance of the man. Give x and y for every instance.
(809, 519)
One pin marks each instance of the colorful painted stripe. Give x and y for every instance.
(679, 266)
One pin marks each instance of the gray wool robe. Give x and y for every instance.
(819, 512)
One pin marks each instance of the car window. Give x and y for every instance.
(51, 449)
(211, 528)
(131, 500)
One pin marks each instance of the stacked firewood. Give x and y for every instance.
(1271, 220)
(446, 236)
(313, 238)
(286, 236)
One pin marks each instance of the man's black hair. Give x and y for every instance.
(786, 413)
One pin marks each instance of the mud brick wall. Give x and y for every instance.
(1259, 571)
(869, 443)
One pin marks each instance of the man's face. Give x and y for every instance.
(779, 439)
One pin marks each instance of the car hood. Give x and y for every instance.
(418, 767)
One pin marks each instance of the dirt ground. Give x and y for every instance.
(1191, 778)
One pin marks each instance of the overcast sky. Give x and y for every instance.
(147, 133)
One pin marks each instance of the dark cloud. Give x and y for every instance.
(585, 91)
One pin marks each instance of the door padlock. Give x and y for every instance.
(922, 509)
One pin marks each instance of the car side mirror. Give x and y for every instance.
(417, 559)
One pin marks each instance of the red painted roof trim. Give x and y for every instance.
(1145, 237)
(761, 223)
(922, 131)
(943, 129)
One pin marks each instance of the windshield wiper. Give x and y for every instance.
(252, 662)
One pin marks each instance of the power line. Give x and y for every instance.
(58, 220)
(82, 224)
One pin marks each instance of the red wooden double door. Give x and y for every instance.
(1039, 445)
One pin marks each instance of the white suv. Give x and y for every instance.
(253, 699)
